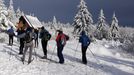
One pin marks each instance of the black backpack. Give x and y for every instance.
(28, 37)
(48, 36)
(67, 37)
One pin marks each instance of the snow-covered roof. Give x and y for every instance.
(33, 21)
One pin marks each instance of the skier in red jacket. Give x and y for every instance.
(61, 42)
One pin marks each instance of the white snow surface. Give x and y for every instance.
(110, 60)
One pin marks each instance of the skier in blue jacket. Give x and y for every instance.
(11, 34)
(85, 41)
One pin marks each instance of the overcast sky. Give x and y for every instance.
(65, 10)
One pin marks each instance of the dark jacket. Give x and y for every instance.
(11, 32)
(20, 32)
(36, 32)
(44, 35)
(84, 39)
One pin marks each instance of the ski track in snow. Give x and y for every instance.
(109, 60)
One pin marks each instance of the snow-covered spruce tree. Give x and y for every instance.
(114, 28)
(102, 27)
(125, 33)
(54, 23)
(127, 38)
(68, 25)
(11, 11)
(18, 13)
(2, 5)
(3, 15)
(83, 20)
(4, 19)
(59, 25)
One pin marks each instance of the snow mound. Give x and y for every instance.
(98, 48)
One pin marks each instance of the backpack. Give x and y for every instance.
(48, 36)
(67, 37)
(45, 35)
(85, 40)
(10, 32)
(28, 37)
(63, 39)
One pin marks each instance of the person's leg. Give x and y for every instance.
(60, 55)
(11, 40)
(37, 42)
(44, 46)
(58, 52)
(45, 50)
(26, 48)
(84, 59)
(30, 54)
(21, 46)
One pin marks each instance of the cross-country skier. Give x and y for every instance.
(61, 42)
(85, 41)
(45, 37)
(11, 35)
(29, 37)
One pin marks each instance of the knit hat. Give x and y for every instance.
(42, 27)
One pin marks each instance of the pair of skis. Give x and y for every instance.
(23, 61)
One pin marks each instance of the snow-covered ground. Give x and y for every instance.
(108, 60)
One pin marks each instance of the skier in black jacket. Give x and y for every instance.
(21, 31)
(44, 36)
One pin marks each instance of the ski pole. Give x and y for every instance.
(10, 53)
(86, 70)
(35, 54)
(51, 56)
(76, 49)
(95, 56)
(53, 52)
